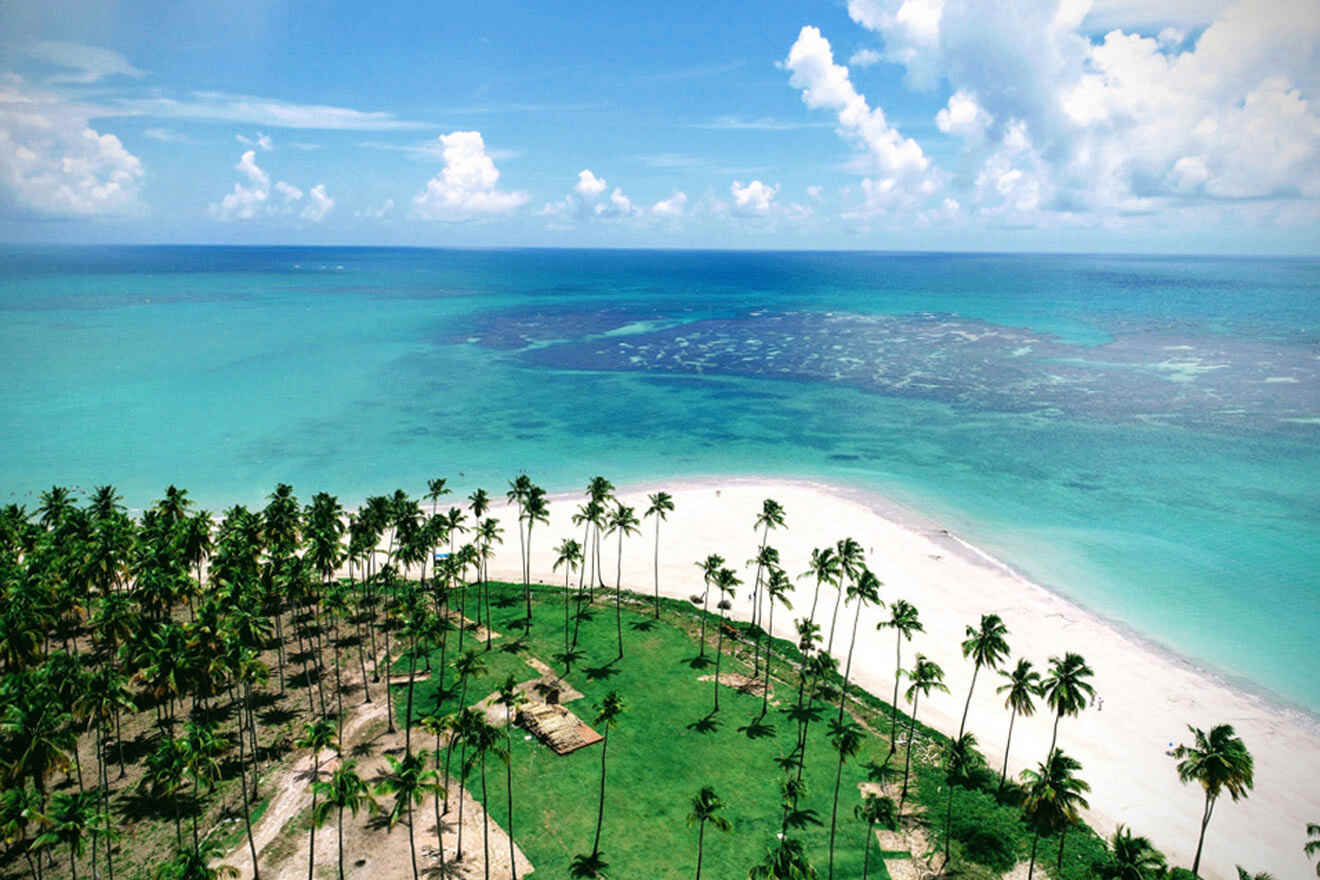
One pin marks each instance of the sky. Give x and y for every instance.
(1175, 126)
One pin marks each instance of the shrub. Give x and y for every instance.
(986, 830)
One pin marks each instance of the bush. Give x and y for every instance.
(986, 830)
(1181, 874)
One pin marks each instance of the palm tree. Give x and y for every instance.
(1066, 689)
(600, 492)
(511, 698)
(662, 504)
(519, 488)
(202, 749)
(469, 665)
(725, 581)
(846, 737)
(776, 591)
(770, 517)
(569, 555)
(960, 760)
(1134, 858)
(623, 521)
(904, 621)
(1220, 762)
(1023, 683)
(825, 568)
(345, 790)
(536, 510)
(1054, 793)
(1244, 874)
(926, 676)
(709, 566)
(409, 781)
(485, 740)
(68, 821)
(607, 716)
(785, 860)
(316, 735)
(987, 647)
(706, 807)
(874, 810)
(866, 590)
(851, 560)
(1313, 846)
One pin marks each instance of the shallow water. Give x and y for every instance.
(1141, 434)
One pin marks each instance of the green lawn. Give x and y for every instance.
(667, 746)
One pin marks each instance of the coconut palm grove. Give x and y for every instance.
(305, 690)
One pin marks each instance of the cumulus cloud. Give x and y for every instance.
(752, 200)
(54, 164)
(826, 85)
(1152, 117)
(865, 58)
(467, 188)
(673, 206)
(589, 185)
(251, 199)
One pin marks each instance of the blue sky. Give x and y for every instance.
(1174, 126)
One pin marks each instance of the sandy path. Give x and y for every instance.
(1150, 696)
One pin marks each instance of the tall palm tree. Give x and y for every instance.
(485, 741)
(1066, 689)
(600, 492)
(709, 566)
(409, 781)
(345, 790)
(866, 590)
(1054, 794)
(511, 698)
(662, 504)
(766, 559)
(607, 717)
(851, 561)
(874, 810)
(904, 621)
(316, 735)
(926, 676)
(846, 737)
(468, 665)
(776, 592)
(824, 568)
(68, 821)
(770, 517)
(1220, 762)
(706, 807)
(1134, 858)
(536, 510)
(519, 488)
(624, 521)
(1312, 847)
(725, 581)
(569, 555)
(987, 647)
(1022, 684)
(960, 760)
(202, 749)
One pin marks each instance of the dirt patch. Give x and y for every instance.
(557, 727)
(742, 684)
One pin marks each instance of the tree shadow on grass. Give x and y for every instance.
(759, 728)
(802, 817)
(278, 717)
(645, 625)
(506, 601)
(600, 673)
(515, 644)
(699, 661)
(707, 725)
(569, 657)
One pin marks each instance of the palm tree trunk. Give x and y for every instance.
(618, 595)
(948, 826)
(485, 820)
(834, 813)
(866, 852)
(1031, 868)
(435, 804)
(412, 840)
(705, 606)
(657, 567)
(527, 582)
(247, 809)
(1200, 841)
(508, 787)
(907, 760)
(1003, 774)
(311, 832)
(340, 827)
(847, 669)
(963, 724)
(407, 711)
(765, 691)
(1054, 737)
(893, 707)
(719, 652)
(600, 812)
(389, 700)
(1058, 865)
(701, 845)
(834, 619)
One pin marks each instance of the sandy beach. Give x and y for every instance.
(1149, 695)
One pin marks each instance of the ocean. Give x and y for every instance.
(1140, 434)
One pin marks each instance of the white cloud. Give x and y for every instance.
(589, 185)
(1151, 118)
(618, 206)
(963, 117)
(467, 187)
(91, 63)
(814, 193)
(673, 206)
(290, 192)
(865, 58)
(753, 200)
(379, 213)
(826, 85)
(251, 110)
(52, 163)
(261, 141)
(167, 136)
(318, 204)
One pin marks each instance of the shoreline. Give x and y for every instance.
(1154, 692)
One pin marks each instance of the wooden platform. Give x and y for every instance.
(557, 727)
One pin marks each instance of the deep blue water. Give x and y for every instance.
(1141, 434)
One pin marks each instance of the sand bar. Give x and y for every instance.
(1149, 694)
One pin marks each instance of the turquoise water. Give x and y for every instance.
(1141, 434)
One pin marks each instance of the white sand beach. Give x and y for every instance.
(1149, 695)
